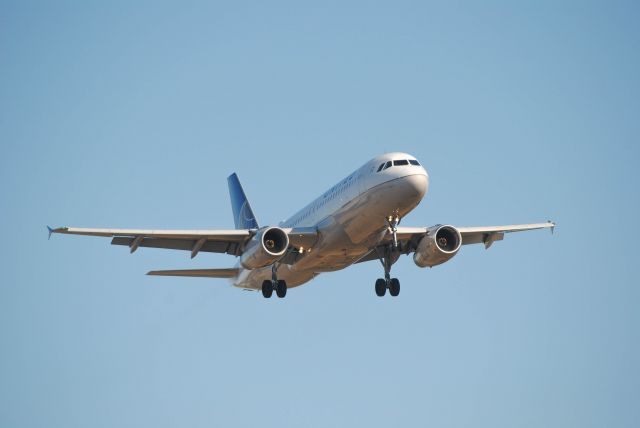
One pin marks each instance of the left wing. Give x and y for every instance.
(486, 235)
(409, 237)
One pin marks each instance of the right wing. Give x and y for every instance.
(212, 241)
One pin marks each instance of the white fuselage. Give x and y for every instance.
(350, 219)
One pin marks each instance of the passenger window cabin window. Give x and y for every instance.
(387, 165)
(400, 162)
(414, 162)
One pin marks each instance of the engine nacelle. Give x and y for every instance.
(265, 248)
(438, 245)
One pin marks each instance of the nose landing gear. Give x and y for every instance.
(393, 221)
(382, 284)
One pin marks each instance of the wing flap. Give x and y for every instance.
(180, 244)
(202, 273)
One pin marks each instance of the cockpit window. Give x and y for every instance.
(414, 162)
(387, 165)
(400, 162)
(380, 167)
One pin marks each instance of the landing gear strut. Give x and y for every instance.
(280, 286)
(382, 284)
(393, 222)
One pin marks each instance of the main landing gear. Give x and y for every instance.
(280, 286)
(382, 284)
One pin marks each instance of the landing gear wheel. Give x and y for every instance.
(394, 287)
(281, 288)
(267, 289)
(381, 287)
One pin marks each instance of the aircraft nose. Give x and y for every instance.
(418, 183)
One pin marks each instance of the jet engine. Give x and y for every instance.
(265, 248)
(439, 245)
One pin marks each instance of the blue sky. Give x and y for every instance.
(121, 115)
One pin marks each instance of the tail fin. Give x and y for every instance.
(242, 213)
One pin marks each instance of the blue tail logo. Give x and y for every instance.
(242, 212)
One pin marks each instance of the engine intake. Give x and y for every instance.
(265, 248)
(439, 245)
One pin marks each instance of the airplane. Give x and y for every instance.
(355, 221)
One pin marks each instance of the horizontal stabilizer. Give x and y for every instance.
(204, 273)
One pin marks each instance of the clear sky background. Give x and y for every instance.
(120, 115)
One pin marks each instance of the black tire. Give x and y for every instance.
(281, 289)
(381, 287)
(394, 287)
(267, 289)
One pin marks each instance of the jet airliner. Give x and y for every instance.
(355, 221)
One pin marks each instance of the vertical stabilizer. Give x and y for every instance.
(242, 212)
